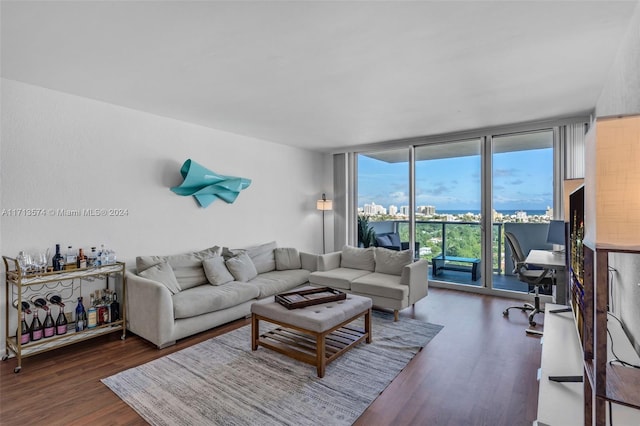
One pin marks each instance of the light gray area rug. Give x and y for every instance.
(222, 382)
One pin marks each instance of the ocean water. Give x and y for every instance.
(504, 212)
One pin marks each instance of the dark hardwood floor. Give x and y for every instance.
(479, 370)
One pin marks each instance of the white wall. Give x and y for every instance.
(621, 92)
(60, 151)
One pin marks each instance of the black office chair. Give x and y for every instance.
(535, 278)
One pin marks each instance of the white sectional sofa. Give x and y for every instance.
(172, 297)
(390, 278)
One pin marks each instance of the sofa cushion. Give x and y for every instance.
(208, 298)
(187, 267)
(392, 261)
(287, 258)
(358, 258)
(384, 285)
(162, 273)
(274, 282)
(336, 278)
(216, 270)
(263, 256)
(241, 267)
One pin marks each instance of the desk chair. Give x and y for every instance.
(533, 277)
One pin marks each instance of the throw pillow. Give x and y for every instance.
(216, 271)
(287, 258)
(187, 267)
(162, 273)
(358, 258)
(391, 261)
(395, 240)
(383, 240)
(241, 267)
(262, 255)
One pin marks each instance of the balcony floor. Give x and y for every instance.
(500, 281)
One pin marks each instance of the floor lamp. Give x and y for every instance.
(324, 205)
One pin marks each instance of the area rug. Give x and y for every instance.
(222, 382)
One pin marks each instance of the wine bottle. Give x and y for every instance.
(81, 261)
(26, 307)
(81, 316)
(114, 308)
(25, 333)
(61, 322)
(92, 313)
(49, 328)
(39, 302)
(57, 260)
(36, 327)
(54, 299)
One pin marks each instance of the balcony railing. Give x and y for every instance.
(463, 239)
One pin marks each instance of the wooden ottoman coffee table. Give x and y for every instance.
(315, 334)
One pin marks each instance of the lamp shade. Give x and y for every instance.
(324, 205)
(612, 184)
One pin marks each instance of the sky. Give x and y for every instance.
(523, 180)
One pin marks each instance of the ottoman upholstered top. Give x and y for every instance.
(318, 318)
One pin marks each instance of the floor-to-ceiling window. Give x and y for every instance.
(522, 176)
(383, 193)
(466, 193)
(448, 201)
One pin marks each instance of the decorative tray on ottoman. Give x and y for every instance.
(314, 296)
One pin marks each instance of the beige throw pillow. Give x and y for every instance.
(358, 258)
(391, 261)
(287, 258)
(162, 273)
(216, 270)
(241, 267)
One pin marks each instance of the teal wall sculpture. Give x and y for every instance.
(206, 185)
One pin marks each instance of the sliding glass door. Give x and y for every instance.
(522, 176)
(448, 201)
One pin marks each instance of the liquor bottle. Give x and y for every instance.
(104, 256)
(81, 316)
(25, 333)
(92, 313)
(114, 308)
(49, 328)
(92, 258)
(61, 322)
(81, 260)
(36, 327)
(58, 260)
(70, 259)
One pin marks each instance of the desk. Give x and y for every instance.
(550, 260)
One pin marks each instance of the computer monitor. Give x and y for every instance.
(556, 232)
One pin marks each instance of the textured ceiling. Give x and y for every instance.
(322, 75)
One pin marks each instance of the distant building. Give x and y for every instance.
(427, 210)
(404, 210)
(374, 209)
(393, 210)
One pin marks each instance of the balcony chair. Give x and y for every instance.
(534, 278)
(391, 240)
